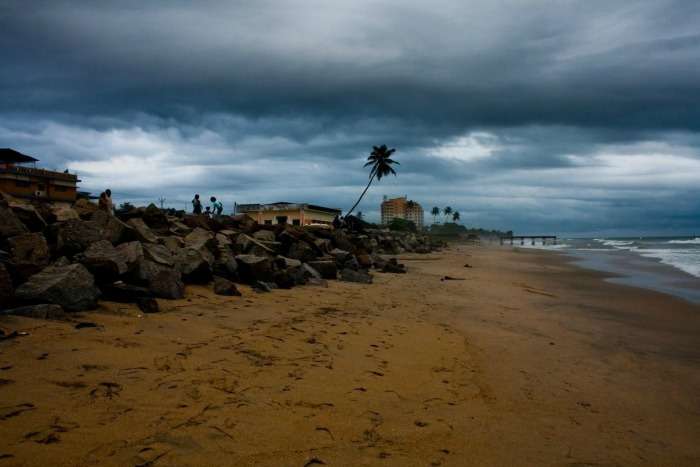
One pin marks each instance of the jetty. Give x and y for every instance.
(532, 238)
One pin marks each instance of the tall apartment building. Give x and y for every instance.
(403, 208)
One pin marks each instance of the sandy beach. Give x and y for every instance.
(527, 361)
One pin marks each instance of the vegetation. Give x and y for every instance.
(455, 216)
(435, 212)
(402, 225)
(381, 163)
(447, 211)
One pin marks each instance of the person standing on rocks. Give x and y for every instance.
(216, 207)
(102, 202)
(108, 199)
(196, 205)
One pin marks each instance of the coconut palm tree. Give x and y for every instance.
(380, 160)
(447, 211)
(455, 216)
(360, 215)
(435, 212)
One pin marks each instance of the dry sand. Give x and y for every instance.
(528, 361)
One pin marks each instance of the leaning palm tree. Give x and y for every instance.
(435, 212)
(455, 216)
(447, 211)
(380, 160)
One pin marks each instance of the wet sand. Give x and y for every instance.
(527, 361)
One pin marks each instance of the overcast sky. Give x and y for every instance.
(539, 116)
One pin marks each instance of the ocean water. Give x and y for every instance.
(665, 264)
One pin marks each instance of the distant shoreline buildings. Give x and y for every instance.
(288, 213)
(402, 208)
(25, 181)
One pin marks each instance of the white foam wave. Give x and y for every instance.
(694, 241)
(619, 244)
(685, 260)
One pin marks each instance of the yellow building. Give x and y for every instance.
(402, 208)
(288, 213)
(29, 182)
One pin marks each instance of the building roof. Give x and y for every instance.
(11, 156)
(283, 205)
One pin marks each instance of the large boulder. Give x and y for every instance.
(327, 269)
(159, 254)
(155, 218)
(162, 281)
(72, 287)
(29, 254)
(74, 236)
(226, 266)
(63, 213)
(224, 286)
(39, 311)
(302, 251)
(142, 231)
(127, 293)
(85, 208)
(264, 236)
(104, 261)
(131, 253)
(253, 268)
(194, 265)
(350, 275)
(173, 243)
(178, 228)
(114, 230)
(10, 225)
(248, 245)
(7, 291)
(29, 216)
(200, 239)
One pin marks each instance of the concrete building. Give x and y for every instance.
(403, 208)
(290, 213)
(24, 181)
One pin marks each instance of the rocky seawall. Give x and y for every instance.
(56, 260)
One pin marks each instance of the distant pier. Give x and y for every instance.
(532, 238)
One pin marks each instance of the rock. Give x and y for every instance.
(104, 261)
(74, 236)
(85, 208)
(264, 236)
(200, 239)
(179, 228)
(393, 266)
(131, 253)
(225, 287)
(245, 244)
(284, 279)
(124, 293)
(253, 268)
(173, 243)
(159, 254)
(195, 267)
(72, 287)
(29, 216)
(327, 269)
(350, 275)
(317, 282)
(63, 213)
(29, 254)
(7, 291)
(287, 263)
(40, 311)
(262, 286)
(148, 305)
(164, 282)
(222, 241)
(364, 261)
(302, 251)
(142, 231)
(226, 266)
(193, 221)
(113, 229)
(11, 225)
(155, 218)
(310, 272)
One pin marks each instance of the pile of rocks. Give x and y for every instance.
(57, 259)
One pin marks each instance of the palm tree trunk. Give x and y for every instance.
(361, 196)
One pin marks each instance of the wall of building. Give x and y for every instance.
(399, 208)
(27, 187)
(294, 216)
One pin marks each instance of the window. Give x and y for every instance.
(296, 222)
(281, 219)
(60, 188)
(22, 184)
(268, 222)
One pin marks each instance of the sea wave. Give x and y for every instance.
(685, 260)
(694, 241)
(620, 244)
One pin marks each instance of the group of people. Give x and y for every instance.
(105, 202)
(216, 208)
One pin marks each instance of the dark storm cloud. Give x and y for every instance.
(569, 116)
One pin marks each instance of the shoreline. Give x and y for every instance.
(530, 360)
